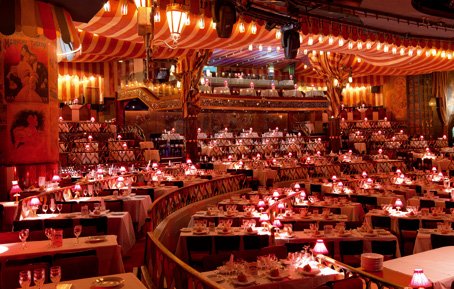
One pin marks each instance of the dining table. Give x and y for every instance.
(107, 250)
(128, 281)
(118, 223)
(423, 242)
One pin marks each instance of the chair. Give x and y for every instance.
(386, 248)
(77, 265)
(297, 247)
(408, 230)
(251, 242)
(348, 283)
(12, 267)
(114, 205)
(76, 206)
(211, 262)
(279, 251)
(368, 202)
(301, 226)
(32, 225)
(94, 226)
(350, 252)
(65, 224)
(381, 222)
(439, 241)
(224, 244)
(246, 255)
(448, 206)
(9, 237)
(198, 248)
(316, 188)
(426, 203)
(349, 225)
(430, 224)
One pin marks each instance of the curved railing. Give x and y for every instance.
(165, 269)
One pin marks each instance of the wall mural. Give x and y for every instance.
(395, 94)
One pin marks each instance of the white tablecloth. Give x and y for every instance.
(437, 266)
(131, 282)
(108, 252)
(423, 242)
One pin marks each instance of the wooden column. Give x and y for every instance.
(334, 134)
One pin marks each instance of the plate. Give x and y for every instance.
(186, 230)
(216, 278)
(281, 276)
(313, 272)
(96, 239)
(200, 232)
(239, 283)
(370, 235)
(225, 233)
(108, 282)
(117, 213)
(254, 232)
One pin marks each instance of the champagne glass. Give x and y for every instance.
(23, 235)
(77, 232)
(45, 207)
(52, 208)
(59, 207)
(55, 274)
(39, 277)
(25, 279)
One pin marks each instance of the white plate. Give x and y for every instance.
(186, 230)
(313, 272)
(96, 239)
(117, 213)
(216, 278)
(247, 283)
(200, 232)
(108, 282)
(277, 278)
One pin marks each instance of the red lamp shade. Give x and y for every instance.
(34, 202)
(15, 189)
(56, 179)
(364, 175)
(297, 187)
(264, 218)
(419, 280)
(334, 178)
(77, 188)
(277, 224)
(275, 194)
(398, 203)
(281, 206)
(320, 247)
(261, 203)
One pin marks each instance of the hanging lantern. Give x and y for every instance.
(341, 42)
(107, 6)
(310, 41)
(176, 18)
(140, 3)
(278, 34)
(241, 27)
(124, 9)
(253, 28)
(157, 16)
(202, 22)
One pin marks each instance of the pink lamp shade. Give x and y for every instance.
(297, 187)
(398, 203)
(119, 136)
(364, 175)
(303, 194)
(275, 194)
(15, 189)
(122, 170)
(277, 224)
(264, 218)
(419, 280)
(77, 188)
(56, 179)
(120, 179)
(281, 206)
(34, 202)
(261, 204)
(188, 161)
(320, 247)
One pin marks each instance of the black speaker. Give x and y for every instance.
(375, 89)
(226, 16)
(290, 43)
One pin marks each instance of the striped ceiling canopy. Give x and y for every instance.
(112, 35)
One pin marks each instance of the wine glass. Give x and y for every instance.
(23, 235)
(59, 207)
(77, 232)
(45, 207)
(25, 279)
(55, 274)
(52, 208)
(49, 232)
(39, 277)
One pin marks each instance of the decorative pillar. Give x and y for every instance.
(29, 108)
(188, 72)
(334, 134)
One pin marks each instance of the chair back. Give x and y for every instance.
(439, 241)
(65, 224)
(426, 203)
(93, 226)
(251, 242)
(12, 268)
(386, 248)
(224, 244)
(114, 205)
(279, 251)
(381, 222)
(77, 265)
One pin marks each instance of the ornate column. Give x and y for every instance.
(188, 72)
(29, 108)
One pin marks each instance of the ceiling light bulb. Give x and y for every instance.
(410, 52)
(305, 51)
(419, 52)
(310, 41)
(434, 52)
(278, 34)
(427, 53)
(269, 49)
(202, 22)
(350, 45)
(124, 9)
(449, 55)
(350, 79)
(385, 48)
(341, 42)
(402, 51)
(379, 46)
(260, 47)
(321, 52)
(394, 50)
(314, 52)
(358, 59)
(213, 24)
(305, 66)
(330, 40)
(368, 45)
(250, 47)
(335, 82)
(443, 54)
(253, 28)
(320, 39)
(241, 27)
(328, 53)
(157, 16)
(359, 45)
(107, 6)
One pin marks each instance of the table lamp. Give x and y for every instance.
(264, 218)
(275, 194)
(277, 223)
(15, 191)
(320, 248)
(281, 207)
(34, 204)
(120, 182)
(261, 205)
(398, 204)
(77, 189)
(419, 280)
(297, 187)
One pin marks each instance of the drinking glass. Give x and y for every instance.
(39, 276)
(45, 208)
(49, 232)
(23, 235)
(52, 208)
(55, 274)
(59, 207)
(77, 232)
(25, 279)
